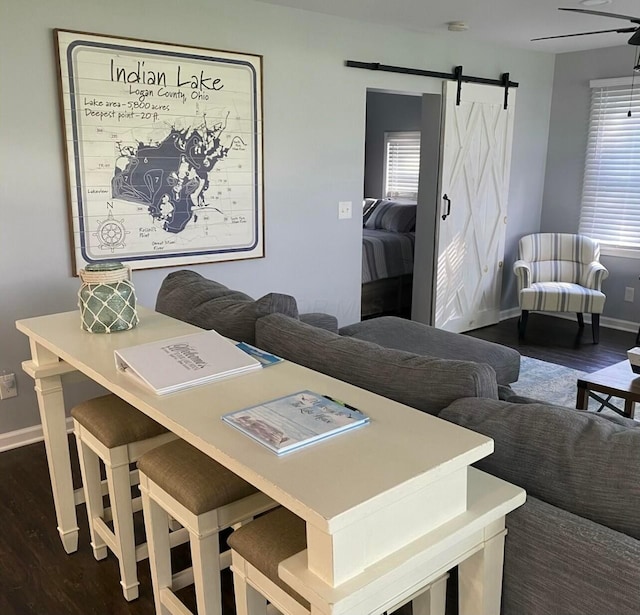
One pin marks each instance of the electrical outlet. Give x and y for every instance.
(628, 294)
(344, 210)
(8, 386)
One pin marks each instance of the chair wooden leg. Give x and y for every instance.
(595, 327)
(522, 323)
(580, 319)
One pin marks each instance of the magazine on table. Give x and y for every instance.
(181, 362)
(290, 422)
(266, 358)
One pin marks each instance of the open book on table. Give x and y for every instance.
(290, 422)
(181, 362)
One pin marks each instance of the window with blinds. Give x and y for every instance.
(402, 164)
(611, 190)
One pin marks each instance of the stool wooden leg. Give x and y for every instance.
(91, 482)
(248, 600)
(122, 510)
(205, 557)
(156, 525)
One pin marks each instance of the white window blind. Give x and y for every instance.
(402, 164)
(611, 190)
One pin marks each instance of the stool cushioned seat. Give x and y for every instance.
(196, 481)
(114, 422)
(270, 539)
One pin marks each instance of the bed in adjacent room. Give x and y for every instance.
(388, 239)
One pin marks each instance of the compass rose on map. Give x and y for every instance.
(111, 233)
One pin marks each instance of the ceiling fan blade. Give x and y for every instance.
(619, 30)
(603, 14)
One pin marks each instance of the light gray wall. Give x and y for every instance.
(565, 162)
(314, 112)
(385, 113)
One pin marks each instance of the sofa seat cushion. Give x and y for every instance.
(426, 383)
(562, 297)
(573, 459)
(188, 296)
(418, 338)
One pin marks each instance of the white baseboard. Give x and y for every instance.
(23, 437)
(605, 321)
(511, 313)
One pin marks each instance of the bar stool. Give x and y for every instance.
(110, 430)
(177, 479)
(257, 549)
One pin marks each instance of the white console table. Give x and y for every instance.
(388, 507)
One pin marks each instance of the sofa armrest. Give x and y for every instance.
(558, 562)
(523, 274)
(418, 338)
(319, 319)
(593, 274)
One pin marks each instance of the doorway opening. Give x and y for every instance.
(402, 147)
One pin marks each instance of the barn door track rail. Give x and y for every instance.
(456, 75)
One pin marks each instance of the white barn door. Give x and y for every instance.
(476, 159)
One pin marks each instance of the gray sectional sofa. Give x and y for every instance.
(574, 547)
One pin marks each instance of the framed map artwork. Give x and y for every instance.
(164, 150)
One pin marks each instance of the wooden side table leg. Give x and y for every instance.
(629, 408)
(480, 576)
(54, 427)
(582, 400)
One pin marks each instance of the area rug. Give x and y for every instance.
(552, 383)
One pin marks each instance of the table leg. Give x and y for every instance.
(480, 576)
(433, 601)
(54, 427)
(629, 408)
(582, 400)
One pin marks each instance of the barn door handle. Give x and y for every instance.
(448, 200)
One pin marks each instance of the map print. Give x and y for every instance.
(170, 177)
(164, 147)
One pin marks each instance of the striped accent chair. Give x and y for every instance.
(560, 272)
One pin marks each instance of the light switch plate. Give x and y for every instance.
(344, 210)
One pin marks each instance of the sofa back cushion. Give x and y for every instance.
(425, 383)
(188, 296)
(578, 461)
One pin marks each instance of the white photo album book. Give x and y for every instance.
(182, 362)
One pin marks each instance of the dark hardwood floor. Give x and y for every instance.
(38, 578)
(560, 341)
